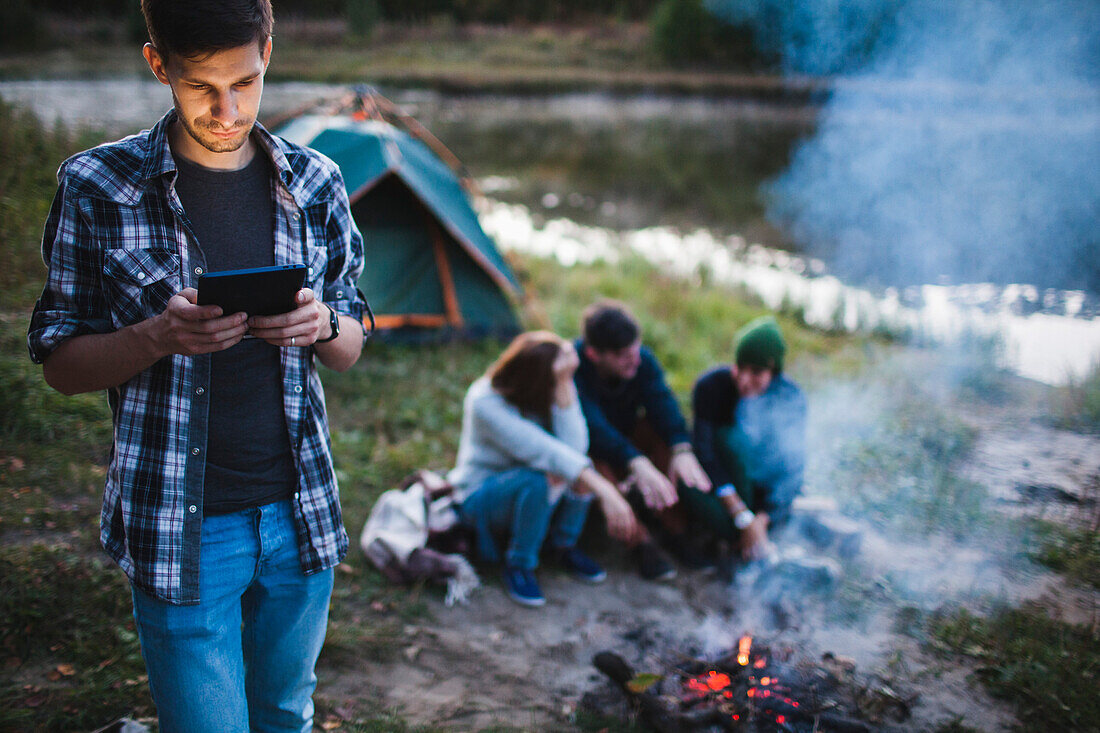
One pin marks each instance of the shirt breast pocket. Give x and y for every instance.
(139, 282)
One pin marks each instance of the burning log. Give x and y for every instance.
(655, 712)
(750, 690)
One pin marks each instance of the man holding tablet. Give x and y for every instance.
(220, 502)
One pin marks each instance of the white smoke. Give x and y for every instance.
(959, 142)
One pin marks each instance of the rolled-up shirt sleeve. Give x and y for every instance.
(345, 256)
(72, 302)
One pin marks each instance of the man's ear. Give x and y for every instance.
(156, 62)
(591, 353)
(266, 53)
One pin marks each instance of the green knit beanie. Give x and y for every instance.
(760, 344)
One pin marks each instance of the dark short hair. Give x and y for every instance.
(194, 28)
(609, 326)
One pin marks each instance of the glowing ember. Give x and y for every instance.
(718, 681)
(743, 647)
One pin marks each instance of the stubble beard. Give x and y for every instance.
(196, 129)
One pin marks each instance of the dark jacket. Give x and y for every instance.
(613, 408)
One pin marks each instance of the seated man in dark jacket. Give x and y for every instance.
(750, 424)
(637, 434)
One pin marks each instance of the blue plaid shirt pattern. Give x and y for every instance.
(117, 246)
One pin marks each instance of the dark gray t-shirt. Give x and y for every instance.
(248, 456)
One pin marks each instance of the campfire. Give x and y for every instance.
(754, 688)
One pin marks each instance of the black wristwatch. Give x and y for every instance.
(333, 324)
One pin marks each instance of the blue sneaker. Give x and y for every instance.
(580, 566)
(522, 587)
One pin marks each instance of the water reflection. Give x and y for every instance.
(675, 180)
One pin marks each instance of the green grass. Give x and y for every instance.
(1074, 553)
(1050, 670)
(1077, 405)
(29, 156)
(71, 655)
(895, 455)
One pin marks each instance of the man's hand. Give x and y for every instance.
(189, 329)
(754, 541)
(685, 467)
(98, 361)
(621, 522)
(657, 491)
(299, 327)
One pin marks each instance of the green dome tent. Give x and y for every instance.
(431, 270)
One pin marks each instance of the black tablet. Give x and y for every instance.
(259, 291)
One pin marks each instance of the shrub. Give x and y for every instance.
(679, 30)
(362, 16)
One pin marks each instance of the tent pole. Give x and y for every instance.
(450, 297)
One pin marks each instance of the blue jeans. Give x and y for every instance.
(243, 658)
(517, 503)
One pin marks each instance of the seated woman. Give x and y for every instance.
(749, 435)
(522, 469)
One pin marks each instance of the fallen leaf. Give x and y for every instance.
(331, 724)
(378, 606)
(643, 682)
(17, 464)
(35, 700)
(346, 569)
(66, 669)
(53, 675)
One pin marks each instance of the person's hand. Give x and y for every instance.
(754, 542)
(685, 467)
(302, 326)
(621, 522)
(185, 327)
(657, 491)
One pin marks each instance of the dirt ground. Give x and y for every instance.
(493, 663)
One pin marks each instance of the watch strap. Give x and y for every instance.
(333, 324)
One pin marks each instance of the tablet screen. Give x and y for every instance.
(258, 291)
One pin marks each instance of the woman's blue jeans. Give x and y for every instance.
(243, 658)
(517, 503)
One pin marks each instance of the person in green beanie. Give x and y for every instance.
(749, 436)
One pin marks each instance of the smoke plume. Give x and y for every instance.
(959, 143)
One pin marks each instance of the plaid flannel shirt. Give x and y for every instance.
(118, 245)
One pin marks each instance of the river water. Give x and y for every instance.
(677, 181)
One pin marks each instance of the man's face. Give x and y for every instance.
(618, 363)
(752, 380)
(217, 98)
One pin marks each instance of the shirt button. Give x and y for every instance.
(199, 390)
(192, 508)
(195, 451)
(296, 216)
(297, 389)
(141, 276)
(198, 270)
(310, 271)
